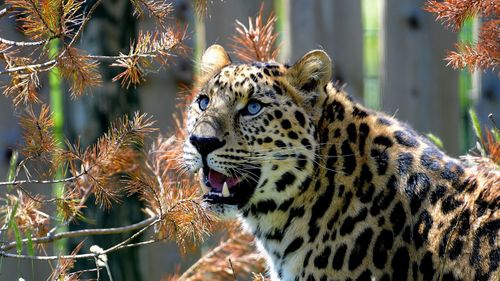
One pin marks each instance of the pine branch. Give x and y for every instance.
(81, 71)
(159, 10)
(150, 47)
(51, 63)
(65, 21)
(453, 13)
(33, 22)
(485, 53)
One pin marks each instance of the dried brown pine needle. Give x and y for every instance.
(485, 53)
(473, 58)
(69, 207)
(150, 48)
(64, 265)
(171, 196)
(37, 132)
(186, 221)
(37, 18)
(28, 214)
(132, 74)
(492, 147)
(237, 251)
(257, 41)
(453, 13)
(70, 18)
(159, 10)
(81, 71)
(47, 19)
(115, 153)
(23, 87)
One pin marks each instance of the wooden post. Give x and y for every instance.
(416, 85)
(336, 27)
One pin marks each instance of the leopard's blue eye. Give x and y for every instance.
(253, 107)
(203, 102)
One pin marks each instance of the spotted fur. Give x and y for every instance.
(335, 191)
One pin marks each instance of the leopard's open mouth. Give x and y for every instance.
(221, 189)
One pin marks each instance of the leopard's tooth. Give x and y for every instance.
(225, 190)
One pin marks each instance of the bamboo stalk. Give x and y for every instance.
(57, 107)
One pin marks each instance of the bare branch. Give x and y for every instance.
(84, 232)
(19, 182)
(30, 68)
(121, 245)
(23, 44)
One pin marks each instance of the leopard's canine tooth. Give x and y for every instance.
(225, 190)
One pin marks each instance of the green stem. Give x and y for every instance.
(371, 27)
(465, 86)
(282, 26)
(12, 169)
(56, 104)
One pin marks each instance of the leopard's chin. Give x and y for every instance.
(221, 189)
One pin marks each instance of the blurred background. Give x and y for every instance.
(389, 53)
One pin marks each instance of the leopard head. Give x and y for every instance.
(251, 128)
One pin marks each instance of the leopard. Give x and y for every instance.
(332, 190)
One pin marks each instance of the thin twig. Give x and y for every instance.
(84, 23)
(124, 242)
(142, 243)
(19, 182)
(23, 43)
(83, 232)
(118, 246)
(49, 64)
(232, 270)
(46, 258)
(84, 271)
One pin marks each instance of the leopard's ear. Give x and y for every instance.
(310, 72)
(212, 61)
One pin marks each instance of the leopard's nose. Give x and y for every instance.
(205, 145)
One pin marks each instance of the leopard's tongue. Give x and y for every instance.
(217, 180)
